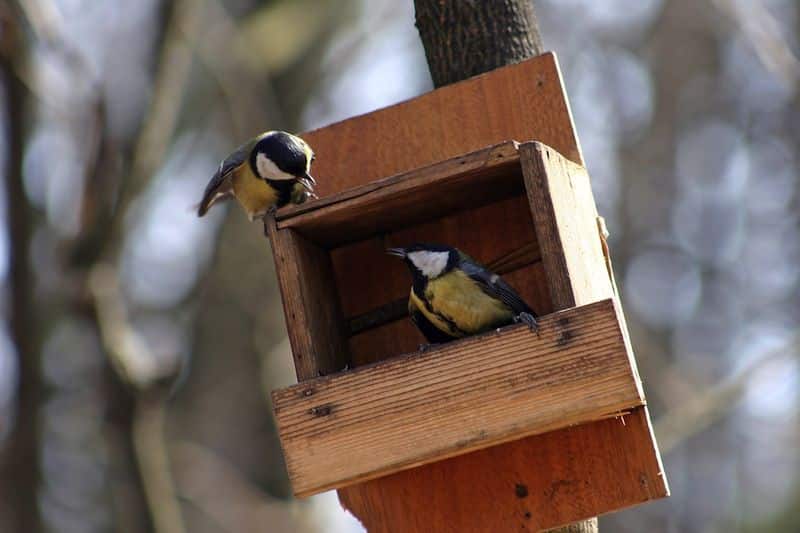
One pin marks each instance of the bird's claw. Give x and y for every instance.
(345, 368)
(424, 347)
(529, 319)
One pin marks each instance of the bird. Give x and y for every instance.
(453, 296)
(269, 171)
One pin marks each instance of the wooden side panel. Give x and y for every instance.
(496, 387)
(310, 303)
(536, 483)
(519, 102)
(574, 253)
(565, 217)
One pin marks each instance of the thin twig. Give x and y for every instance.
(764, 33)
(703, 410)
(161, 118)
(149, 444)
(251, 103)
(134, 362)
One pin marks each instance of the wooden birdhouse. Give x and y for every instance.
(507, 431)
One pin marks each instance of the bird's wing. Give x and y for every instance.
(220, 185)
(494, 286)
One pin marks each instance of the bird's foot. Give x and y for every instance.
(266, 215)
(345, 368)
(530, 320)
(424, 347)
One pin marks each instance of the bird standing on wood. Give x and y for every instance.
(452, 296)
(267, 172)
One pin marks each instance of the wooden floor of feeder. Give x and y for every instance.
(463, 396)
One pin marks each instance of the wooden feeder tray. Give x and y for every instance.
(533, 428)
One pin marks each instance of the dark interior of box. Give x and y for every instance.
(487, 217)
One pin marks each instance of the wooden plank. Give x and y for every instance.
(457, 184)
(497, 387)
(565, 217)
(310, 303)
(536, 483)
(524, 101)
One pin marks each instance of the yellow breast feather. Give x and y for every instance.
(255, 194)
(456, 300)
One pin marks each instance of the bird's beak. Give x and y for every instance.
(399, 252)
(308, 182)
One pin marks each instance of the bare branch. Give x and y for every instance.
(764, 33)
(705, 409)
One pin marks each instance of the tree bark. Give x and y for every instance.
(464, 38)
(19, 463)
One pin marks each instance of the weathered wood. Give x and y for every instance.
(539, 482)
(456, 398)
(565, 217)
(456, 184)
(523, 101)
(310, 303)
(587, 526)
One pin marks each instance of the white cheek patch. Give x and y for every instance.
(431, 264)
(269, 170)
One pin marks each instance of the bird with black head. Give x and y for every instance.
(265, 173)
(453, 296)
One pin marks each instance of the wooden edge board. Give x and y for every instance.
(463, 396)
(493, 156)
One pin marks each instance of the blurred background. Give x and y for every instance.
(115, 114)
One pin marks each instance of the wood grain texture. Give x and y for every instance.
(310, 303)
(456, 184)
(539, 482)
(456, 398)
(565, 217)
(575, 256)
(524, 101)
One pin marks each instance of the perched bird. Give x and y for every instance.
(452, 296)
(267, 172)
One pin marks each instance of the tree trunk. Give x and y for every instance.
(466, 38)
(19, 464)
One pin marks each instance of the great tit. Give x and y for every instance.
(265, 173)
(452, 296)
